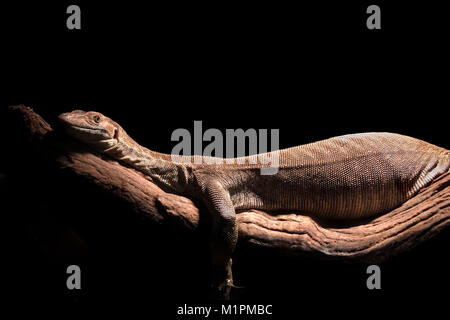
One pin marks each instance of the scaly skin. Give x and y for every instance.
(342, 178)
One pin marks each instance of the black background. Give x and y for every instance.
(312, 70)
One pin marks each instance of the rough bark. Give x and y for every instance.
(415, 221)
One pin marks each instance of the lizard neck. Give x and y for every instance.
(158, 167)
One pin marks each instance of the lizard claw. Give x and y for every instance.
(232, 285)
(227, 284)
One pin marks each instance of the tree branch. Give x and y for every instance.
(415, 221)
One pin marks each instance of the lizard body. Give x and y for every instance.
(342, 178)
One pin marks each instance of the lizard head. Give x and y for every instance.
(91, 127)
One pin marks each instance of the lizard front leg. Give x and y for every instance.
(223, 237)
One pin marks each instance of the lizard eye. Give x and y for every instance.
(96, 119)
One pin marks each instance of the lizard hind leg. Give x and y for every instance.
(223, 238)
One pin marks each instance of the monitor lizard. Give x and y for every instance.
(342, 178)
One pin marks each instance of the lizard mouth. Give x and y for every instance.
(87, 133)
